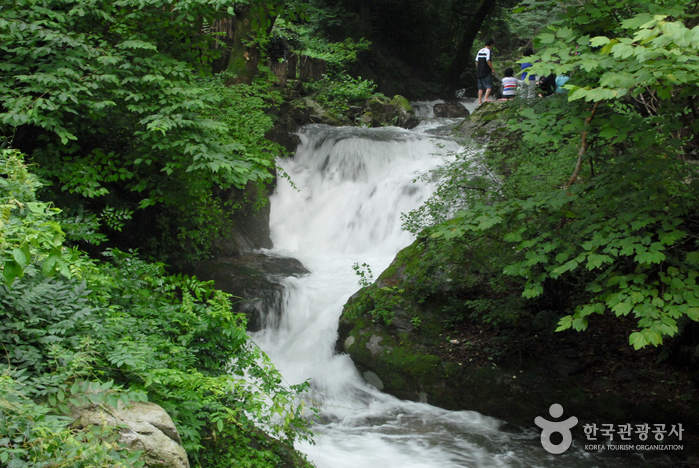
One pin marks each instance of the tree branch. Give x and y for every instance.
(583, 148)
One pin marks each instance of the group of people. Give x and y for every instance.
(529, 83)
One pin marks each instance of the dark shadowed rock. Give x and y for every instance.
(255, 278)
(450, 110)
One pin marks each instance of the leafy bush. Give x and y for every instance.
(337, 93)
(72, 324)
(379, 303)
(34, 437)
(110, 101)
(305, 39)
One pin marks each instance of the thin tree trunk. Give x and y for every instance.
(583, 147)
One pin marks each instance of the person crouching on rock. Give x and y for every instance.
(509, 84)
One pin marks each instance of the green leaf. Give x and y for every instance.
(20, 257)
(136, 44)
(568, 266)
(579, 324)
(650, 257)
(546, 38)
(608, 132)
(637, 21)
(622, 309)
(599, 41)
(533, 290)
(11, 270)
(49, 265)
(565, 323)
(564, 33)
(637, 340)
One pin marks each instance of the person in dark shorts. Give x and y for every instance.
(484, 71)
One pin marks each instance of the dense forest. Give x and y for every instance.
(133, 132)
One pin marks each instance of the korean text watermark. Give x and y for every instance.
(609, 437)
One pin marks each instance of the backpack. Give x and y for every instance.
(560, 81)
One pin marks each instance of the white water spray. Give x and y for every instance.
(353, 184)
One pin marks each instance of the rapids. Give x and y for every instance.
(350, 187)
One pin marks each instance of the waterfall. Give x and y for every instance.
(350, 186)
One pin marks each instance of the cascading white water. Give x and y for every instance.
(353, 184)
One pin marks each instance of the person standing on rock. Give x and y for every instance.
(484, 71)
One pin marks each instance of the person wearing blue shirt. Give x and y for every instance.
(528, 78)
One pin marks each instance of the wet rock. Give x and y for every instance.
(255, 278)
(488, 121)
(450, 110)
(373, 379)
(322, 116)
(373, 345)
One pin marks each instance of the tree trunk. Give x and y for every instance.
(243, 61)
(470, 28)
(245, 53)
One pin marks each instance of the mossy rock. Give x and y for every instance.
(400, 101)
(381, 112)
(410, 362)
(483, 123)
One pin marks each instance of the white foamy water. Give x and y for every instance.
(353, 184)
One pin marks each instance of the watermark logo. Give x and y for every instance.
(650, 436)
(551, 427)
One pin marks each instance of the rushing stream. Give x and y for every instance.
(352, 185)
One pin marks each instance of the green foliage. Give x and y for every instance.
(463, 179)
(198, 213)
(528, 18)
(82, 331)
(34, 437)
(602, 191)
(416, 321)
(366, 277)
(337, 93)
(28, 234)
(109, 100)
(378, 302)
(337, 54)
(305, 40)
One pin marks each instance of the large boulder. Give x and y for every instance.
(323, 116)
(146, 427)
